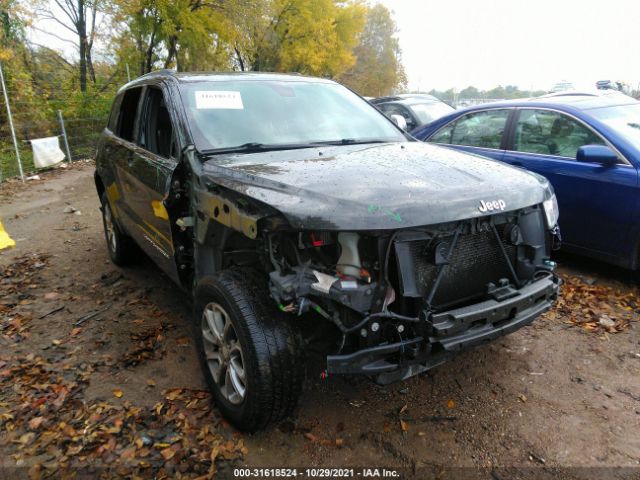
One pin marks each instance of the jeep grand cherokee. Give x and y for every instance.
(275, 200)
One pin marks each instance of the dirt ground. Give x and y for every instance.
(121, 391)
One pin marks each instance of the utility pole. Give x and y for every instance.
(13, 131)
(64, 136)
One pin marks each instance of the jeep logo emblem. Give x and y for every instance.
(491, 205)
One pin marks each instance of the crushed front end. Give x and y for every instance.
(407, 300)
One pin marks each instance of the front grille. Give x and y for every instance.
(476, 261)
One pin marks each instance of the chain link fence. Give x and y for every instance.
(81, 117)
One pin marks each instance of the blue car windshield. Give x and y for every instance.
(224, 115)
(624, 119)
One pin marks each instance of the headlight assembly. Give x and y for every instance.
(551, 211)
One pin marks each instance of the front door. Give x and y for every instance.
(152, 165)
(480, 132)
(595, 201)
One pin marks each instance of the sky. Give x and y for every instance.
(485, 43)
(532, 44)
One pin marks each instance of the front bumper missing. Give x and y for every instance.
(450, 332)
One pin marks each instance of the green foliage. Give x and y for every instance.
(472, 93)
(343, 39)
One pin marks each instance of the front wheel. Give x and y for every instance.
(251, 355)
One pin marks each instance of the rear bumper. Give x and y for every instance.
(450, 332)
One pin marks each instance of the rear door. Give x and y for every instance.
(480, 132)
(595, 201)
(119, 149)
(151, 166)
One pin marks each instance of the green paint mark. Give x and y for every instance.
(385, 211)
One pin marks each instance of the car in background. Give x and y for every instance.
(562, 86)
(586, 144)
(611, 85)
(416, 108)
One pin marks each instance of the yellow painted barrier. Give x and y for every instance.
(5, 240)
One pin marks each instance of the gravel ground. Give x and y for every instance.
(558, 399)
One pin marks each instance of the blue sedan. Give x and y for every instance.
(587, 145)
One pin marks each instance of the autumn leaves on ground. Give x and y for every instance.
(98, 373)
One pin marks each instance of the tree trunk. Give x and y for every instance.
(240, 60)
(172, 51)
(82, 40)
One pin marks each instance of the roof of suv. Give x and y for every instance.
(187, 77)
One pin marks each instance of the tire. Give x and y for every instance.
(255, 370)
(121, 247)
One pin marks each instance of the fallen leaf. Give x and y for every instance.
(173, 394)
(117, 392)
(451, 404)
(35, 422)
(403, 409)
(339, 442)
(167, 453)
(310, 436)
(404, 426)
(522, 398)
(151, 382)
(75, 331)
(128, 453)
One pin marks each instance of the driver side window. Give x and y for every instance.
(552, 133)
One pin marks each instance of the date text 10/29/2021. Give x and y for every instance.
(328, 473)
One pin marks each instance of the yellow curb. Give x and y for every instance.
(5, 240)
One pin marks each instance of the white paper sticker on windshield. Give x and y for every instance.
(218, 99)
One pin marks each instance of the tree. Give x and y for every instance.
(469, 92)
(378, 69)
(314, 37)
(181, 34)
(79, 18)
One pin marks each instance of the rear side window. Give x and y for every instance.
(127, 113)
(156, 130)
(113, 116)
(552, 133)
(480, 129)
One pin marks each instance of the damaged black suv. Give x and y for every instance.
(278, 201)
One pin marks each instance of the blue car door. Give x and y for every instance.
(480, 132)
(595, 200)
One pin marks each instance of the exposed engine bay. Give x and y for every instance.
(388, 288)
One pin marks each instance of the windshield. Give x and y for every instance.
(428, 112)
(228, 114)
(624, 119)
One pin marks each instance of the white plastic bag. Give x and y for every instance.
(46, 152)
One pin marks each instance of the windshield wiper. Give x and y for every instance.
(351, 141)
(251, 147)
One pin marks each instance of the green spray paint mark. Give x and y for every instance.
(385, 211)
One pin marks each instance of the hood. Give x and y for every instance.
(376, 186)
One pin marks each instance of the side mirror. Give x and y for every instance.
(400, 121)
(597, 154)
